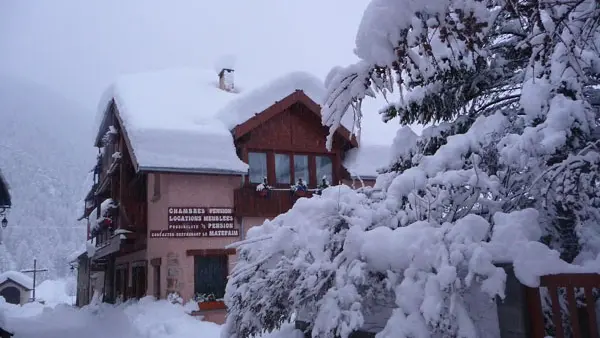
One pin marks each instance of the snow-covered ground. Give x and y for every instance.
(144, 319)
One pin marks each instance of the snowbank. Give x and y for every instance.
(146, 318)
(156, 319)
(55, 292)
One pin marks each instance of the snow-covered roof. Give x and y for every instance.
(364, 161)
(178, 119)
(249, 103)
(83, 249)
(74, 256)
(17, 277)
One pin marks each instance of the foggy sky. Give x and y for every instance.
(77, 47)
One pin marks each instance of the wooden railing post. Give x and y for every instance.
(513, 315)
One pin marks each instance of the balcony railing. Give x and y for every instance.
(250, 203)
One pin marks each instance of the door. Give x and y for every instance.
(138, 275)
(12, 295)
(157, 281)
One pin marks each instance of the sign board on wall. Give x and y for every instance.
(198, 222)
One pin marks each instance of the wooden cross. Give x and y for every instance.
(35, 270)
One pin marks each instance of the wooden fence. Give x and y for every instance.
(576, 317)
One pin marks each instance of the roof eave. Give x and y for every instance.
(80, 256)
(98, 132)
(205, 171)
(279, 106)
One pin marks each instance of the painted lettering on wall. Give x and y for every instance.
(189, 222)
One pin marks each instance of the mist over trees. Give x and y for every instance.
(45, 152)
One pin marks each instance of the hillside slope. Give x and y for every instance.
(45, 153)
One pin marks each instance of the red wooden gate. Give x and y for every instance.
(570, 282)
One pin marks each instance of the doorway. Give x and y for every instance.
(12, 295)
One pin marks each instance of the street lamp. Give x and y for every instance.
(4, 222)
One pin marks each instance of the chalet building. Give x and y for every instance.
(187, 163)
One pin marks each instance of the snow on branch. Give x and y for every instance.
(507, 171)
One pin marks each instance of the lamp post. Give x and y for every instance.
(3, 210)
(4, 221)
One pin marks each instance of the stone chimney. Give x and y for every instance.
(226, 79)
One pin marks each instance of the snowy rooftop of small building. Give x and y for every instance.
(179, 119)
(365, 161)
(17, 277)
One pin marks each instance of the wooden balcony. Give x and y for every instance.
(249, 203)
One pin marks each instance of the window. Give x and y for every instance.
(324, 169)
(210, 275)
(258, 167)
(282, 168)
(286, 168)
(301, 168)
(138, 279)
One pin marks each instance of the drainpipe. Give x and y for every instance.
(242, 228)
(242, 234)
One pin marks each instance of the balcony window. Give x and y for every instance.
(258, 167)
(282, 169)
(301, 170)
(324, 169)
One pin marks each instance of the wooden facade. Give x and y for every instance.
(116, 179)
(291, 126)
(250, 204)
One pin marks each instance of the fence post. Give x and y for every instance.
(513, 314)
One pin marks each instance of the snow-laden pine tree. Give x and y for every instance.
(507, 171)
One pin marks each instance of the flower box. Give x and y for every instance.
(211, 305)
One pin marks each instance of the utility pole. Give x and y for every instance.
(35, 270)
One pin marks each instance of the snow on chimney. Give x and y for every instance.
(226, 79)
